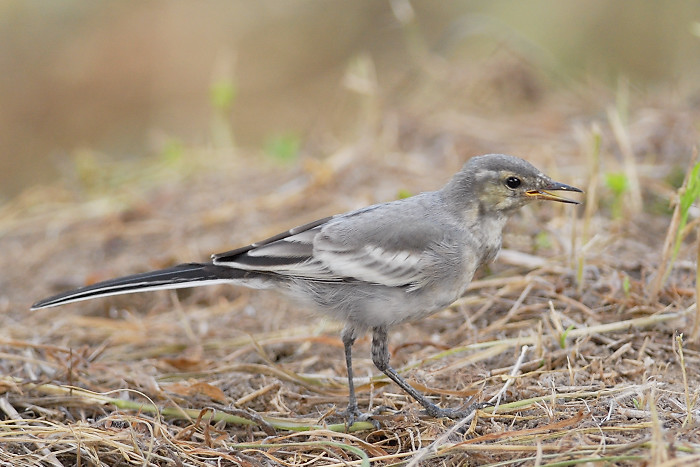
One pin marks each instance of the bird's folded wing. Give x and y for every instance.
(373, 263)
(339, 249)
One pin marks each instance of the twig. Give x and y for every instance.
(681, 360)
(496, 400)
(416, 459)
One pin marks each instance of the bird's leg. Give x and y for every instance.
(380, 357)
(348, 337)
(353, 413)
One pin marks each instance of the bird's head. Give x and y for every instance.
(500, 183)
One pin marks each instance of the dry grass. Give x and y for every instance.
(560, 331)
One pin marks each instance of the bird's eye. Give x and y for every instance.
(513, 182)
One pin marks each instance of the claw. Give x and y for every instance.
(353, 414)
(456, 414)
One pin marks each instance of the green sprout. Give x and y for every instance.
(626, 285)
(284, 147)
(403, 194)
(687, 198)
(222, 93)
(173, 151)
(543, 240)
(618, 184)
(562, 338)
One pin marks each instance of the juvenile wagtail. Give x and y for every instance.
(375, 267)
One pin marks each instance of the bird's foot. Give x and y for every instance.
(456, 414)
(353, 414)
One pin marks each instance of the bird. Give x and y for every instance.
(375, 267)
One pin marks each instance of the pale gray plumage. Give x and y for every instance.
(375, 267)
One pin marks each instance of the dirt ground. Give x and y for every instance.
(594, 367)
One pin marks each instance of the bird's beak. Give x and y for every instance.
(546, 194)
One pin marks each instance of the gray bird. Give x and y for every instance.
(375, 267)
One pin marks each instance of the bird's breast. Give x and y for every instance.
(489, 235)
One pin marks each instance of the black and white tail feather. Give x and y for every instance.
(288, 253)
(182, 275)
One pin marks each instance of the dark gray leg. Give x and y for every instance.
(380, 357)
(348, 337)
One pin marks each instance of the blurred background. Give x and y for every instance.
(88, 83)
(136, 135)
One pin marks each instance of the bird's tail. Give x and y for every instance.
(180, 276)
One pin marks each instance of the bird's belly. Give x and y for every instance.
(367, 306)
(386, 311)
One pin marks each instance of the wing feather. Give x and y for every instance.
(372, 263)
(361, 246)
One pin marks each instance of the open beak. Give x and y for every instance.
(554, 186)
